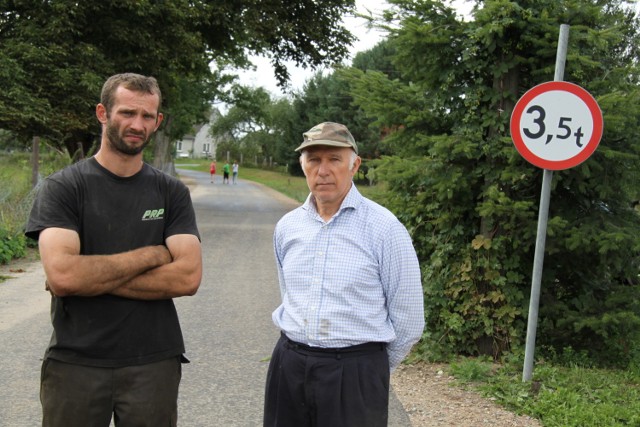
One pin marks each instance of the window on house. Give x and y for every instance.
(206, 147)
(179, 146)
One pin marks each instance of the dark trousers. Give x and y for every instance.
(309, 387)
(85, 396)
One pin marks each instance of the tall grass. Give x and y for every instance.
(15, 185)
(16, 197)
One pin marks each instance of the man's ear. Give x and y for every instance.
(101, 113)
(356, 165)
(158, 121)
(301, 160)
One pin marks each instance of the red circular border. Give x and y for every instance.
(596, 115)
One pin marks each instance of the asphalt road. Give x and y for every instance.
(227, 325)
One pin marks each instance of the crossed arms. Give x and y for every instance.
(148, 273)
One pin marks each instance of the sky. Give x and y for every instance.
(366, 39)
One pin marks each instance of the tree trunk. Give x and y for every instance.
(35, 161)
(162, 149)
(506, 85)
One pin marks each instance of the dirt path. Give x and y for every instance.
(432, 399)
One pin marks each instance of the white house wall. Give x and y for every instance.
(196, 146)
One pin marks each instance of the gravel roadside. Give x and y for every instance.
(432, 399)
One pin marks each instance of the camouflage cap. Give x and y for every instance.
(328, 133)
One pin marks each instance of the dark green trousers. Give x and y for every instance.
(85, 396)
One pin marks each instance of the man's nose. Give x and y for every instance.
(323, 168)
(138, 123)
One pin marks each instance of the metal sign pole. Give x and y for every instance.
(543, 215)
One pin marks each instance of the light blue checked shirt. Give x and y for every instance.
(350, 280)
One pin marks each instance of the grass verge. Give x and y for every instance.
(558, 396)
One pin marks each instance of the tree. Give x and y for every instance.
(190, 104)
(247, 126)
(55, 54)
(276, 126)
(325, 97)
(328, 97)
(470, 201)
(378, 58)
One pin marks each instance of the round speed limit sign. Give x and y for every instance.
(556, 125)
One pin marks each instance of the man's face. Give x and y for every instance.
(329, 172)
(132, 121)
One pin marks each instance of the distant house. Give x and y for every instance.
(199, 144)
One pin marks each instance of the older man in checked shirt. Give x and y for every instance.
(352, 301)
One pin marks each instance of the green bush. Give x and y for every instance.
(11, 246)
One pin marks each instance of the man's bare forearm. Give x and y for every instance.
(181, 277)
(91, 275)
(164, 282)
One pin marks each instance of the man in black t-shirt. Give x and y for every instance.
(118, 240)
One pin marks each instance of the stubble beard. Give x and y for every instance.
(118, 143)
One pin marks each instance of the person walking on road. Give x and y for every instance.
(225, 173)
(118, 240)
(212, 171)
(352, 300)
(235, 172)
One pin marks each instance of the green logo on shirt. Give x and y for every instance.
(154, 214)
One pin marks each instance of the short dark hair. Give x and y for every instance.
(131, 81)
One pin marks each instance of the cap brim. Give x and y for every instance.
(325, 142)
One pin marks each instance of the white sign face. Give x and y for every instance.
(556, 125)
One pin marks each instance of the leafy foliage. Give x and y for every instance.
(253, 126)
(272, 127)
(470, 201)
(54, 55)
(11, 246)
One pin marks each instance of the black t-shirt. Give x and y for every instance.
(112, 215)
